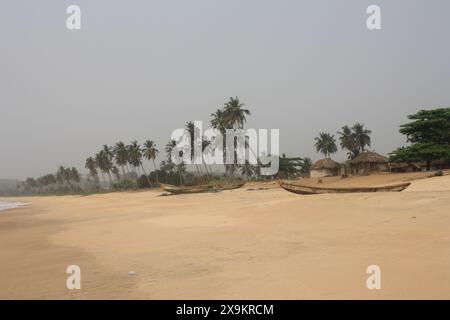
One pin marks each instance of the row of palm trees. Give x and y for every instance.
(129, 158)
(353, 139)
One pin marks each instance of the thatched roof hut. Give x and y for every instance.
(369, 162)
(369, 157)
(326, 163)
(325, 168)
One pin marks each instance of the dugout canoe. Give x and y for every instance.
(299, 189)
(200, 188)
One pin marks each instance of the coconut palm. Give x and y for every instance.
(205, 144)
(362, 136)
(192, 131)
(235, 115)
(91, 165)
(121, 155)
(104, 163)
(231, 116)
(348, 142)
(325, 144)
(150, 153)
(135, 155)
(170, 146)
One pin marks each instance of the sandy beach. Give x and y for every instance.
(257, 242)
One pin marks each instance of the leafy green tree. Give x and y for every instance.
(429, 135)
(289, 167)
(306, 165)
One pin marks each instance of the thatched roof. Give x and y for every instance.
(369, 157)
(326, 163)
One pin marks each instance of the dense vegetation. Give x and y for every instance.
(429, 135)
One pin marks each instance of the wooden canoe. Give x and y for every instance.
(185, 189)
(200, 188)
(230, 186)
(299, 189)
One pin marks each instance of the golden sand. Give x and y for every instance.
(238, 244)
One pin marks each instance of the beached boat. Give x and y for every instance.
(299, 189)
(230, 186)
(200, 188)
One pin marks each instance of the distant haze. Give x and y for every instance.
(139, 69)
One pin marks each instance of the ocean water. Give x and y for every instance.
(9, 205)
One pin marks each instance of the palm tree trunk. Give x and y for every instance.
(110, 179)
(179, 172)
(146, 176)
(156, 171)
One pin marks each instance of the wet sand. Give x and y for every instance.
(238, 244)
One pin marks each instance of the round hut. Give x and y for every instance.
(325, 168)
(368, 162)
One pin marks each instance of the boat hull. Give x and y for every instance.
(200, 189)
(308, 190)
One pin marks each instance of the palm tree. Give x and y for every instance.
(170, 146)
(191, 130)
(205, 144)
(150, 153)
(362, 136)
(348, 142)
(121, 155)
(235, 114)
(231, 116)
(104, 163)
(325, 144)
(91, 165)
(135, 155)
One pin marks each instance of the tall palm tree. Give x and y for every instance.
(104, 163)
(170, 146)
(219, 123)
(121, 155)
(192, 131)
(348, 142)
(231, 116)
(91, 165)
(235, 114)
(205, 144)
(325, 144)
(150, 153)
(135, 154)
(362, 136)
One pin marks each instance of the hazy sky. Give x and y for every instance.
(139, 69)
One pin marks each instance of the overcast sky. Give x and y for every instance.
(139, 69)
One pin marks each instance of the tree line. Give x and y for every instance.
(121, 166)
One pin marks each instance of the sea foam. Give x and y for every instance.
(10, 205)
